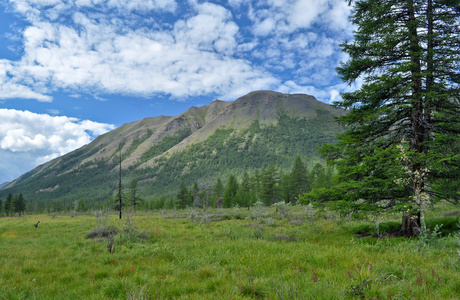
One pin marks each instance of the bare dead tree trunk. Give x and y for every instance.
(411, 226)
(119, 185)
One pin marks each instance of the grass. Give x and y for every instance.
(222, 254)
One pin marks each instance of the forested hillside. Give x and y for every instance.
(198, 146)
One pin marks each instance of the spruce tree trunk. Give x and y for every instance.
(411, 226)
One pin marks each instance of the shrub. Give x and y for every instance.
(102, 232)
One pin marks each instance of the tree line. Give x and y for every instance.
(268, 186)
(13, 205)
(399, 150)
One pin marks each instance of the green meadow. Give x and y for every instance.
(265, 253)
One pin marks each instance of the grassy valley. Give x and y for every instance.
(292, 252)
(253, 157)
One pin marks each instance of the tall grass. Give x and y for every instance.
(222, 254)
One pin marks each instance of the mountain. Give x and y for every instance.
(201, 144)
(2, 185)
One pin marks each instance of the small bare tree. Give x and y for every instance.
(413, 224)
(120, 192)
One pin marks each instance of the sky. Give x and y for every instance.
(71, 70)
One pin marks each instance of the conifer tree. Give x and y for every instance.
(217, 191)
(269, 185)
(183, 195)
(19, 204)
(244, 196)
(407, 55)
(299, 179)
(81, 206)
(8, 204)
(133, 197)
(286, 188)
(231, 189)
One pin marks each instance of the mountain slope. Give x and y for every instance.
(200, 145)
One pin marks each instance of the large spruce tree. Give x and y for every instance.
(402, 130)
(231, 189)
(183, 196)
(9, 204)
(19, 204)
(298, 179)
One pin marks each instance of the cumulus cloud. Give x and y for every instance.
(281, 17)
(12, 86)
(328, 94)
(300, 39)
(29, 139)
(129, 47)
(114, 46)
(193, 57)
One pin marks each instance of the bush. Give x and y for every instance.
(102, 232)
(446, 225)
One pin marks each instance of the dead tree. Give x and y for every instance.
(411, 225)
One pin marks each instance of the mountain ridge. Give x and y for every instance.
(150, 145)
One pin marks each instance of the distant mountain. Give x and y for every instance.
(201, 144)
(2, 185)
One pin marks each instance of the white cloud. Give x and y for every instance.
(300, 38)
(193, 58)
(211, 29)
(36, 10)
(36, 138)
(279, 17)
(12, 86)
(337, 16)
(327, 95)
(84, 46)
(140, 5)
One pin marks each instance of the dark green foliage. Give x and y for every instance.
(217, 191)
(244, 196)
(81, 205)
(269, 189)
(19, 204)
(268, 185)
(195, 194)
(299, 181)
(321, 176)
(159, 203)
(9, 204)
(407, 53)
(183, 196)
(231, 189)
(446, 225)
(136, 143)
(166, 143)
(133, 197)
(225, 152)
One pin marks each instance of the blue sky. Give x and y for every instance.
(71, 70)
